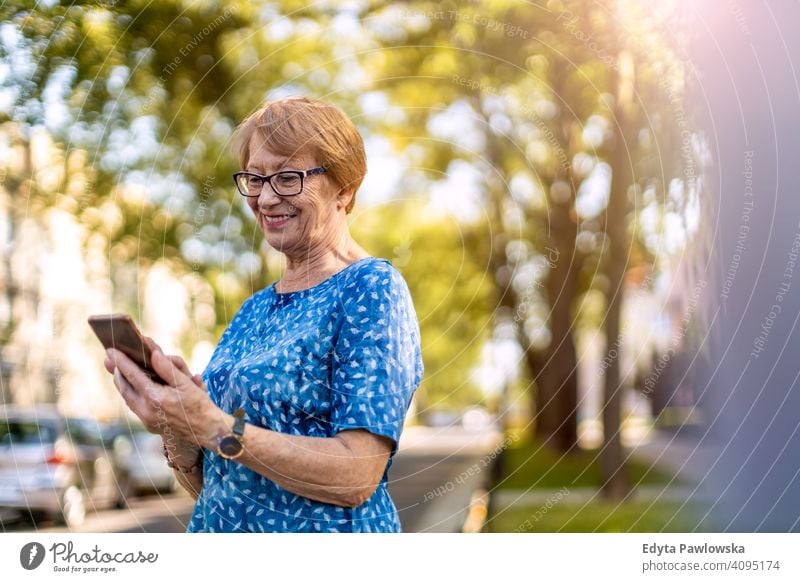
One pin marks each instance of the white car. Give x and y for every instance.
(139, 459)
(52, 466)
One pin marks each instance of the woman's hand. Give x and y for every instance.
(176, 360)
(179, 410)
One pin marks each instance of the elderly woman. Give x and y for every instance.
(293, 424)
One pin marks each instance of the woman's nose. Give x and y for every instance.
(268, 197)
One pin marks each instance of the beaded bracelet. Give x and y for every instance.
(180, 469)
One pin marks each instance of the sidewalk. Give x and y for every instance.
(438, 474)
(448, 440)
(683, 456)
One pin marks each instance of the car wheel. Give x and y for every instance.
(73, 507)
(33, 517)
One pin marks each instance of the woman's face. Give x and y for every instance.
(314, 222)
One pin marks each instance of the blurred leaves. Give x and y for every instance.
(141, 99)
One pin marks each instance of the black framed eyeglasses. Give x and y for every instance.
(283, 183)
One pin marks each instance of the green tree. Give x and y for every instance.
(545, 101)
(147, 95)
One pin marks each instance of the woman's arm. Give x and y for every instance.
(182, 452)
(191, 482)
(186, 455)
(342, 470)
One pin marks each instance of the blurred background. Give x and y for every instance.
(544, 175)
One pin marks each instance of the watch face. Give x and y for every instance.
(230, 446)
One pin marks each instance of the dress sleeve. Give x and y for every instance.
(377, 362)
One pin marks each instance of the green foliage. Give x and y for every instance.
(444, 264)
(152, 91)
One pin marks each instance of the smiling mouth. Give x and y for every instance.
(278, 219)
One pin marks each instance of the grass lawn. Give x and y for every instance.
(528, 464)
(566, 517)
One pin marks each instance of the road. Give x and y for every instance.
(435, 474)
(432, 480)
(155, 513)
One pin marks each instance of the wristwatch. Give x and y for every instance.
(231, 445)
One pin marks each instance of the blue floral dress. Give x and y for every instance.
(343, 354)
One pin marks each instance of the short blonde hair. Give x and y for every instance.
(297, 125)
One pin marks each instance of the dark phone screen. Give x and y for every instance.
(119, 332)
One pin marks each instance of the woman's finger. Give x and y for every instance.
(150, 343)
(129, 395)
(138, 380)
(139, 405)
(180, 364)
(166, 368)
(177, 361)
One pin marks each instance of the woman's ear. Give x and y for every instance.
(344, 197)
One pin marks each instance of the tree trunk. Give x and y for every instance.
(616, 484)
(554, 372)
(557, 382)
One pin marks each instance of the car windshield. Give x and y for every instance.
(116, 428)
(26, 432)
(84, 431)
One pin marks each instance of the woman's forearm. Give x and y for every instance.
(186, 455)
(330, 470)
(191, 482)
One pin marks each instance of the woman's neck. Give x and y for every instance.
(313, 267)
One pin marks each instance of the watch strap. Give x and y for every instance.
(238, 423)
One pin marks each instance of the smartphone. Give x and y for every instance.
(118, 331)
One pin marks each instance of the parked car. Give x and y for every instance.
(55, 466)
(139, 459)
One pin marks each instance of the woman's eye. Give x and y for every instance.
(255, 182)
(287, 180)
